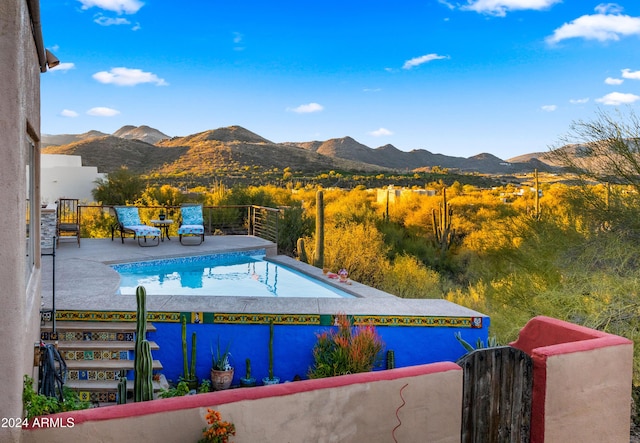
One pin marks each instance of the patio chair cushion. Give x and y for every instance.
(145, 231)
(128, 216)
(129, 219)
(192, 215)
(191, 229)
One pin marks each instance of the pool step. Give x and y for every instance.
(95, 353)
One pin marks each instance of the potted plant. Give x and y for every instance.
(247, 381)
(271, 380)
(221, 369)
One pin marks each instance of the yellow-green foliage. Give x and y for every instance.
(359, 248)
(407, 277)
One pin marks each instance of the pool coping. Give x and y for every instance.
(88, 292)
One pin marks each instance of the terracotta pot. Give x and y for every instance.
(221, 380)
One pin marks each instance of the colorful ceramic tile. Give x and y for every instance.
(84, 396)
(88, 355)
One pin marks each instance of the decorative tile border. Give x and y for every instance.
(260, 319)
(252, 318)
(98, 396)
(124, 316)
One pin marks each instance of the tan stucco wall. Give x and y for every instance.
(19, 116)
(588, 395)
(364, 411)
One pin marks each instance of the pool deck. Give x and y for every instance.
(85, 281)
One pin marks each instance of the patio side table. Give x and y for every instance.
(163, 225)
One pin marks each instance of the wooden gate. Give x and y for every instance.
(496, 400)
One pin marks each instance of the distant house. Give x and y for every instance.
(64, 176)
(24, 58)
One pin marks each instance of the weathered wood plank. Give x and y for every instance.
(496, 404)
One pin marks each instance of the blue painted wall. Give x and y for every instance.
(293, 344)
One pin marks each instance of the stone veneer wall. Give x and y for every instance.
(48, 219)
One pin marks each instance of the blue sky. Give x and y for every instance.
(506, 77)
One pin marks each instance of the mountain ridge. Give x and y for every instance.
(235, 146)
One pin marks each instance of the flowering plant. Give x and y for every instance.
(347, 350)
(218, 431)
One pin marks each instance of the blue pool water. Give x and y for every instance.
(243, 274)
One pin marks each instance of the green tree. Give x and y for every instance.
(120, 187)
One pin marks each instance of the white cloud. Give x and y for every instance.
(549, 108)
(633, 75)
(500, 8)
(372, 90)
(108, 21)
(128, 77)
(69, 113)
(613, 81)
(307, 109)
(609, 8)
(578, 101)
(417, 61)
(119, 6)
(103, 112)
(381, 132)
(618, 98)
(607, 24)
(63, 67)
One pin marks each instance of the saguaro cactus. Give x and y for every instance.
(442, 230)
(143, 363)
(302, 252)
(536, 210)
(318, 256)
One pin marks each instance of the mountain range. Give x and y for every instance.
(147, 150)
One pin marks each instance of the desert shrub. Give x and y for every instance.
(407, 277)
(357, 247)
(95, 222)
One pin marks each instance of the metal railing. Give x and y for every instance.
(259, 221)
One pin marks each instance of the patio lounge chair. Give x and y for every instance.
(68, 220)
(128, 222)
(191, 223)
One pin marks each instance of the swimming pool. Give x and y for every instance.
(227, 274)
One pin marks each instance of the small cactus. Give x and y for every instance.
(189, 372)
(302, 252)
(122, 389)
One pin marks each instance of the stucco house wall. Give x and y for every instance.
(412, 404)
(22, 54)
(64, 176)
(581, 382)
